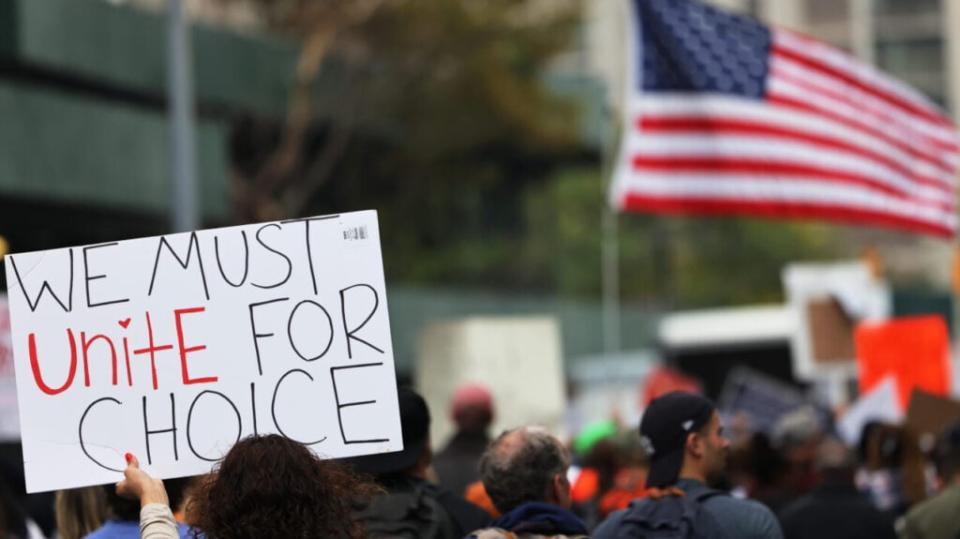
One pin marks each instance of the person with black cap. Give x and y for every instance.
(412, 506)
(682, 434)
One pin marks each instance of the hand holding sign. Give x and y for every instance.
(175, 347)
(138, 485)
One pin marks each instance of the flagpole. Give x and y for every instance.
(610, 166)
(610, 257)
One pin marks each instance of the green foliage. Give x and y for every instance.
(449, 122)
(480, 173)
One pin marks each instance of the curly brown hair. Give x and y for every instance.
(270, 486)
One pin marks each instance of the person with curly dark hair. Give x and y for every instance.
(265, 487)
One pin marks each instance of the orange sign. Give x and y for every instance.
(915, 350)
(663, 380)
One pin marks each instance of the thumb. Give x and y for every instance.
(132, 461)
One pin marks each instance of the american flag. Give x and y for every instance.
(727, 116)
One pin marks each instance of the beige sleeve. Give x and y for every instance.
(157, 522)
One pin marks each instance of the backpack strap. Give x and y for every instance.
(700, 495)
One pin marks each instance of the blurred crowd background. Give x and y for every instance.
(484, 134)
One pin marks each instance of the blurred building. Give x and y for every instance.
(242, 15)
(917, 41)
(84, 138)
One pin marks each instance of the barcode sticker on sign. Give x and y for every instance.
(356, 233)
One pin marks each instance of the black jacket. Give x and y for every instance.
(835, 511)
(456, 465)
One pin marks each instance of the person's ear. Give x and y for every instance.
(560, 488)
(694, 444)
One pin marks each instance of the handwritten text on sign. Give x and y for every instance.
(174, 347)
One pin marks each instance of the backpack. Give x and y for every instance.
(407, 514)
(671, 517)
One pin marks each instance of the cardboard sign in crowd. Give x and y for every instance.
(174, 347)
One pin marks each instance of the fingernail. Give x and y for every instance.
(128, 456)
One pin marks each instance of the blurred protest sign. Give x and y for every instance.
(174, 347)
(914, 350)
(764, 400)
(827, 300)
(663, 380)
(9, 418)
(879, 404)
(518, 358)
(927, 417)
(708, 343)
(929, 414)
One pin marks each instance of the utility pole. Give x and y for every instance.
(184, 211)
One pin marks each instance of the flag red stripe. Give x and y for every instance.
(926, 138)
(718, 127)
(771, 169)
(777, 210)
(823, 112)
(894, 100)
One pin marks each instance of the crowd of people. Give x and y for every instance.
(678, 474)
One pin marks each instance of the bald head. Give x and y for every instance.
(524, 465)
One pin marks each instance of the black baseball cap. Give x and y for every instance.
(663, 431)
(415, 424)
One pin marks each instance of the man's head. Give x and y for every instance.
(471, 408)
(526, 465)
(681, 433)
(835, 462)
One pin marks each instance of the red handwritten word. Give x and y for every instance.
(151, 350)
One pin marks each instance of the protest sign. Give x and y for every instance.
(762, 399)
(826, 301)
(879, 404)
(174, 347)
(928, 414)
(914, 350)
(519, 358)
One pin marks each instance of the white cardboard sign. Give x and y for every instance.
(174, 347)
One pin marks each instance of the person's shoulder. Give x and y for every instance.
(467, 515)
(744, 505)
(944, 501)
(610, 526)
(797, 510)
(750, 517)
(113, 529)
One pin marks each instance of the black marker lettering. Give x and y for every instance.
(87, 277)
(341, 406)
(306, 234)
(173, 430)
(290, 330)
(246, 260)
(350, 332)
(273, 406)
(183, 263)
(83, 446)
(253, 329)
(190, 419)
(67, 307)
(253, 406)
(272, 250)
